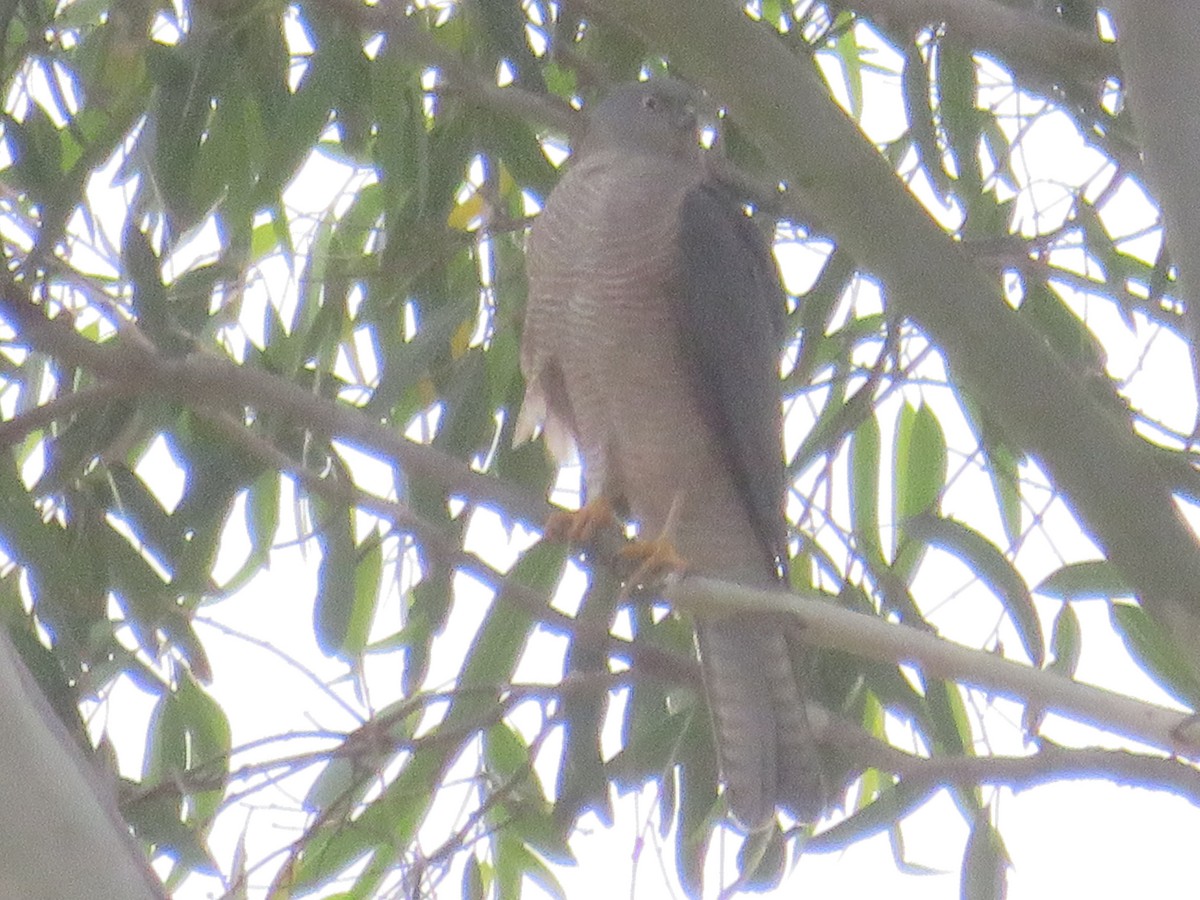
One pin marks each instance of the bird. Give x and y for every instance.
(650, 349)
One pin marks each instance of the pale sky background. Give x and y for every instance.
(1084, 839)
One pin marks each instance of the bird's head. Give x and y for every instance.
(656, 116)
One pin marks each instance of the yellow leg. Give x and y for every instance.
(581, 526)
(656, 557)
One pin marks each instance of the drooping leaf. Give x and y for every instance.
(996, 571)
(893, 803)
(1094, 579)
(337, 607)
(1157, 651)
(864, 488)
(582, 783)
(985, 863)
(1065, 642)
(920, 462)
(919, 476)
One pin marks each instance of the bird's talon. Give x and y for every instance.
(656, 559)
(580, 526)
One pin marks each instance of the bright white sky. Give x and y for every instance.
(1085, 839)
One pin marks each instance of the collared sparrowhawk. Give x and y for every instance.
(652, 341)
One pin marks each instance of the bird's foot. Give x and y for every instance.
(580, 526)
(655, 558)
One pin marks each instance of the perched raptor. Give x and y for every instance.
(651, 344)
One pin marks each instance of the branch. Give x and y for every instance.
(1014, 35)
(63, 835)
(1157, 44)
(1054, 764)
(1050, 763)
(40, 417)
(867, 637)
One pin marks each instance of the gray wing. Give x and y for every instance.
(730, 315)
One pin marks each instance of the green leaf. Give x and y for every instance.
(1059, 325)
(849, 54)
(894, 802)
(473, 887)
(920, 468)
(864, 488)
(1157, 652)
(262, 523)
(1004, 470)
(560, 80)
(337, 606)
(922, 134)
(430, 604)
(697, 792)
(985, 863)
(156, 819)
(505, 751)
(919, 475)
(582, 781)
(367, 573)
(514, 862)
(46, 670)
(188, 729)
(1094, 579)
(652, 735)
(37, 166)
(996, 571)
(812, 317)
(955, 79)
(210, 741)
(406, 362)
(948, 716)
(188, 742)
(336, 785)
(1065, 642)
(762, 859)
